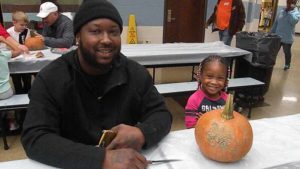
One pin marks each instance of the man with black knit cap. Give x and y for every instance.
(91, 89)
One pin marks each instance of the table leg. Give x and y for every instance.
(153, 75)
(193, 73)
(3, 131)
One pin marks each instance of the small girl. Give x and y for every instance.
(212, 77)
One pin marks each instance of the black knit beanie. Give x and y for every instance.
(93, 9)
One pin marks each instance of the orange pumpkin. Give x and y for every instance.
(224, 135)
(34, 42)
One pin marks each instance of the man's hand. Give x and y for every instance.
(37, 35)
(124, 158)
(127, 137)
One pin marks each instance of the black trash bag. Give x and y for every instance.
(264, 47)
(243, 68)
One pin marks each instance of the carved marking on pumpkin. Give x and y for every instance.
(218, 135)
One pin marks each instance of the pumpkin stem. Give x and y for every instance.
(228, 110)
(32, 33)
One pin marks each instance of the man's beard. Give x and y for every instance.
(90, 59)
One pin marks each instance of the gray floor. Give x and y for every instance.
(280, 100)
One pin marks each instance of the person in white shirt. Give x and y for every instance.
(19, 32)
(22, 82)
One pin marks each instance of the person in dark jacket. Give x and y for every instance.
(228, 18)
(91, 89)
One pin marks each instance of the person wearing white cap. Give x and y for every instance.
(58, 29)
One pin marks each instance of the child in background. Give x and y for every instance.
(22, 82)
(284, 26)
(267, 16)
(19, 31)
(11, 42)
(212, 77)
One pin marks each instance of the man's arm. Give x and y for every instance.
(156, 120)
(41, 137)
(241, 16)
(65, 33)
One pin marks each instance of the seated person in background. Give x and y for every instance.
(19, 30)
(58, 29)
(91, 89)
(5, 88)
(10, 42)
(212, 77)
(16, 49)
(22, 82)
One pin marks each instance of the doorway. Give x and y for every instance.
(184, 21)
(1, 15)
(267, 17)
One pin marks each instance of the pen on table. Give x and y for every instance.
(162, 161)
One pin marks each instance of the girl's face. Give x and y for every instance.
(213, 78)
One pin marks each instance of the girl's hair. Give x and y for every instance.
(210, 59)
